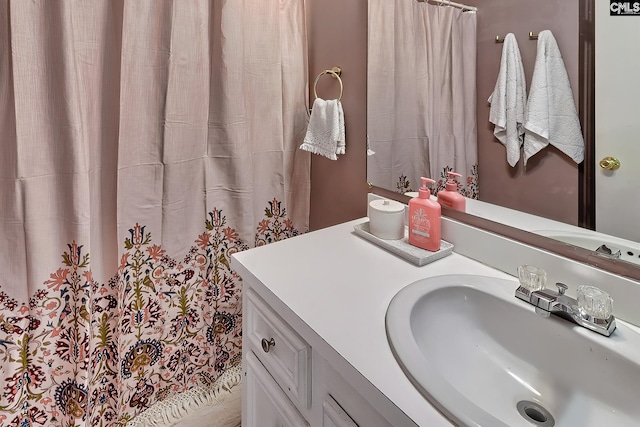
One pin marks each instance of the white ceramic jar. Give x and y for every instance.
(386, 219)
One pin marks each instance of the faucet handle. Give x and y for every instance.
(562, 288)
(594, 301)
(532, 278)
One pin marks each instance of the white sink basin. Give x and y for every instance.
(592, 240)
(475, 351)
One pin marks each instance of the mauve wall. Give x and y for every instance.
(549, 185)
(337, 31)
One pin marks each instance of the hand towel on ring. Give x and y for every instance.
(325, 132)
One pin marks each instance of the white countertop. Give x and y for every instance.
(340, 285)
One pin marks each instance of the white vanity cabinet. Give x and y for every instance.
(288, 382)
(315, 349)
(315, 345)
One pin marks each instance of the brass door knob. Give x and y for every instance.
(610, 164)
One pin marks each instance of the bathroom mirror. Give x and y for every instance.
(552, 186)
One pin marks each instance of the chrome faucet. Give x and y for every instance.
(591, 310)
(609, 251)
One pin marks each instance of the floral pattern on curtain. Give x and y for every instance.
(181, 319)
(142, 143)
(467, 187)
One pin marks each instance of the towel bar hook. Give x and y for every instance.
(335, 72)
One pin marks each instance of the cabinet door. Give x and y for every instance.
(334, 416)
(267, 405)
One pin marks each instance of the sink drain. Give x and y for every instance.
(535, 414)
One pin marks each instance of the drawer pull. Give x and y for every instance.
(267, 344)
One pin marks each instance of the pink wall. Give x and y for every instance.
(549, 186)
(338, 36)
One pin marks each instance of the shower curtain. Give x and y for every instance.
(142, 143)
(421, 100)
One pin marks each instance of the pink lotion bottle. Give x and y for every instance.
(424, 219)
(449, 197)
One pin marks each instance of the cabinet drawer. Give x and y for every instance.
(286, 356)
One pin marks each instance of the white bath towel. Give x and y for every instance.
(551, 116)
(325, 132)
(508, 100)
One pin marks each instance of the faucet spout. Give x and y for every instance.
(609, 251)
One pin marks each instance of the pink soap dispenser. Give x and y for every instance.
(424, 219)
(449, 197)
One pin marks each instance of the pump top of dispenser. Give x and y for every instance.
(424, 192)
(452, 184)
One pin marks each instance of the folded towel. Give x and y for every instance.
(551, 116)
(508, 100)
(325, 132)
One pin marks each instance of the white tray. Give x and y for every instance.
(402, 248)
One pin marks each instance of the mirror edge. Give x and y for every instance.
(565, 250)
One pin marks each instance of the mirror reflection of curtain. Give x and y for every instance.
(142, 143)
(421, 114)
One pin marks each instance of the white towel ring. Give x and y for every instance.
(335, 72)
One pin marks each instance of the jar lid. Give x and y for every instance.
(386, 206)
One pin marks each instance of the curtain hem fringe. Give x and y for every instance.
(183, 404)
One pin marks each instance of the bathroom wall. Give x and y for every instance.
(337, 32)
(549, 185)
